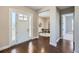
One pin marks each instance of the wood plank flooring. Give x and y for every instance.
(41, 45)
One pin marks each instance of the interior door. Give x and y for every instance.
(22, 27)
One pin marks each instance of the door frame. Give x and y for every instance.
(67, 14)
(11, 43)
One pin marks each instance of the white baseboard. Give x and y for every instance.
(35, 37)
(58, 40)
(5, 47)
(53, 44)
(61, 37)
(75, 51)
(8, 46)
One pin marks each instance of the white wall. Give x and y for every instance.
(69, 24)
(76, 29)
(40, 20)
(54, 26)
(47, 22)
(44, 14)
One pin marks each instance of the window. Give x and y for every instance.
(25, 17)
(30, 33)
(22, 17)
(13, 14)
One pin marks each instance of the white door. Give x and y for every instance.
(22, 27)
(67, 26)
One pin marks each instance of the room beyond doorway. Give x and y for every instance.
(44, 24)
(67, 26)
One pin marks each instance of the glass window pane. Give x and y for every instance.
(20, 16)
(25, 17)
(13, 25)
(30, 23)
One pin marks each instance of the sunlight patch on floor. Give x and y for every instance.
(30, 47)
(42, 50)
(13, 51)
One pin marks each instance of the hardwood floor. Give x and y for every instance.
(41, 45)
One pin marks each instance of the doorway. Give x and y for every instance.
(44, 24)
(20, 26)
(67, 26)
(67, 31)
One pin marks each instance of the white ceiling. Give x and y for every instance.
(63, 7)
(36, 7)
(40, 7)
(46, 13)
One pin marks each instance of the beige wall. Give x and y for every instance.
(4, 26)
(4, 23)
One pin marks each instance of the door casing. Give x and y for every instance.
(11, 43)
